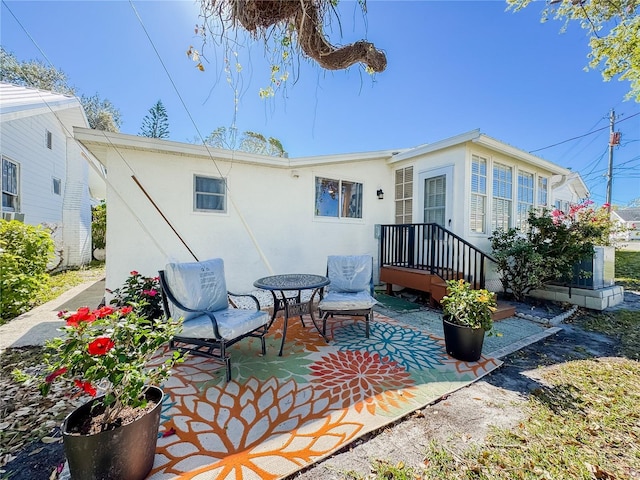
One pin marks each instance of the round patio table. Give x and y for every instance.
(292, 305)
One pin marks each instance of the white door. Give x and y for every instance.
(436, 200)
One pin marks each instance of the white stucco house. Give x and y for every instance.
(170, 201)
(46, 176)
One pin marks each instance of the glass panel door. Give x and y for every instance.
(435, 199)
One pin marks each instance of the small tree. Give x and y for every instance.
(101, 113)
(156, 123)
(33, 73)
(251, 142)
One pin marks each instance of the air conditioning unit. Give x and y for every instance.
(8, 216)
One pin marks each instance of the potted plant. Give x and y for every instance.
(111, 353)
(466, 315)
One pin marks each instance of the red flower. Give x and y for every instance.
(100, 346)
(62, 313)
(133, 273)
(126, 310)
(82, 315)
(104, 311)
(53, 375)
(86, 387)
(151, 293)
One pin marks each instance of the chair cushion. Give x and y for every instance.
(197, 285)
(335, 301)
(232, 323)
(349, 273)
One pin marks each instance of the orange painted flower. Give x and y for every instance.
(100, 346)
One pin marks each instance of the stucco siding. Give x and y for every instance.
(269, 226)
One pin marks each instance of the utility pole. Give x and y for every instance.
(614, 139)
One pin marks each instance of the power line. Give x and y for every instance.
(584, 135)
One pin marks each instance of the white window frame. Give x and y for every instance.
(339, 186)
(478, 200)
(10, 187)
(197, 194)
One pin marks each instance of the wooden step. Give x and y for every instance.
(504, 310)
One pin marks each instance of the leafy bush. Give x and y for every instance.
(99, 225)
(25, 251)
(140, 292)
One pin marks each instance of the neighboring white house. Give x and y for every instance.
(630, 220)
(46, 178)
(172, 201)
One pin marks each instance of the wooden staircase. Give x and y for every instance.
(433, 285)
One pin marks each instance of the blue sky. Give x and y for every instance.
(453, 66)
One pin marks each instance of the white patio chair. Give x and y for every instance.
(350, 291)
(197, 291)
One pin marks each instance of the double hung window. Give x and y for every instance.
(10, 191)
(525, 198)
(543, 191)
(502, 197)
(478, 206)
(209, 194)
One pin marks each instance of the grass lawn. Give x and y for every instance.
(628, 269)
(63, 281)
(58, 283)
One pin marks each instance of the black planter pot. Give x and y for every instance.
(125, 453)
(463, 343)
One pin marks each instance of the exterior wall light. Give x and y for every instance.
(380, 194)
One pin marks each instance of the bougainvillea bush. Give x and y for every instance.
(550, 245)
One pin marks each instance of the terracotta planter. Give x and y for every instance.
(125, 453)
(463, 343)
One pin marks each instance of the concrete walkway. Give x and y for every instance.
(42, 323)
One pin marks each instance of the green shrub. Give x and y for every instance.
(99, 225)
(25, 251)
